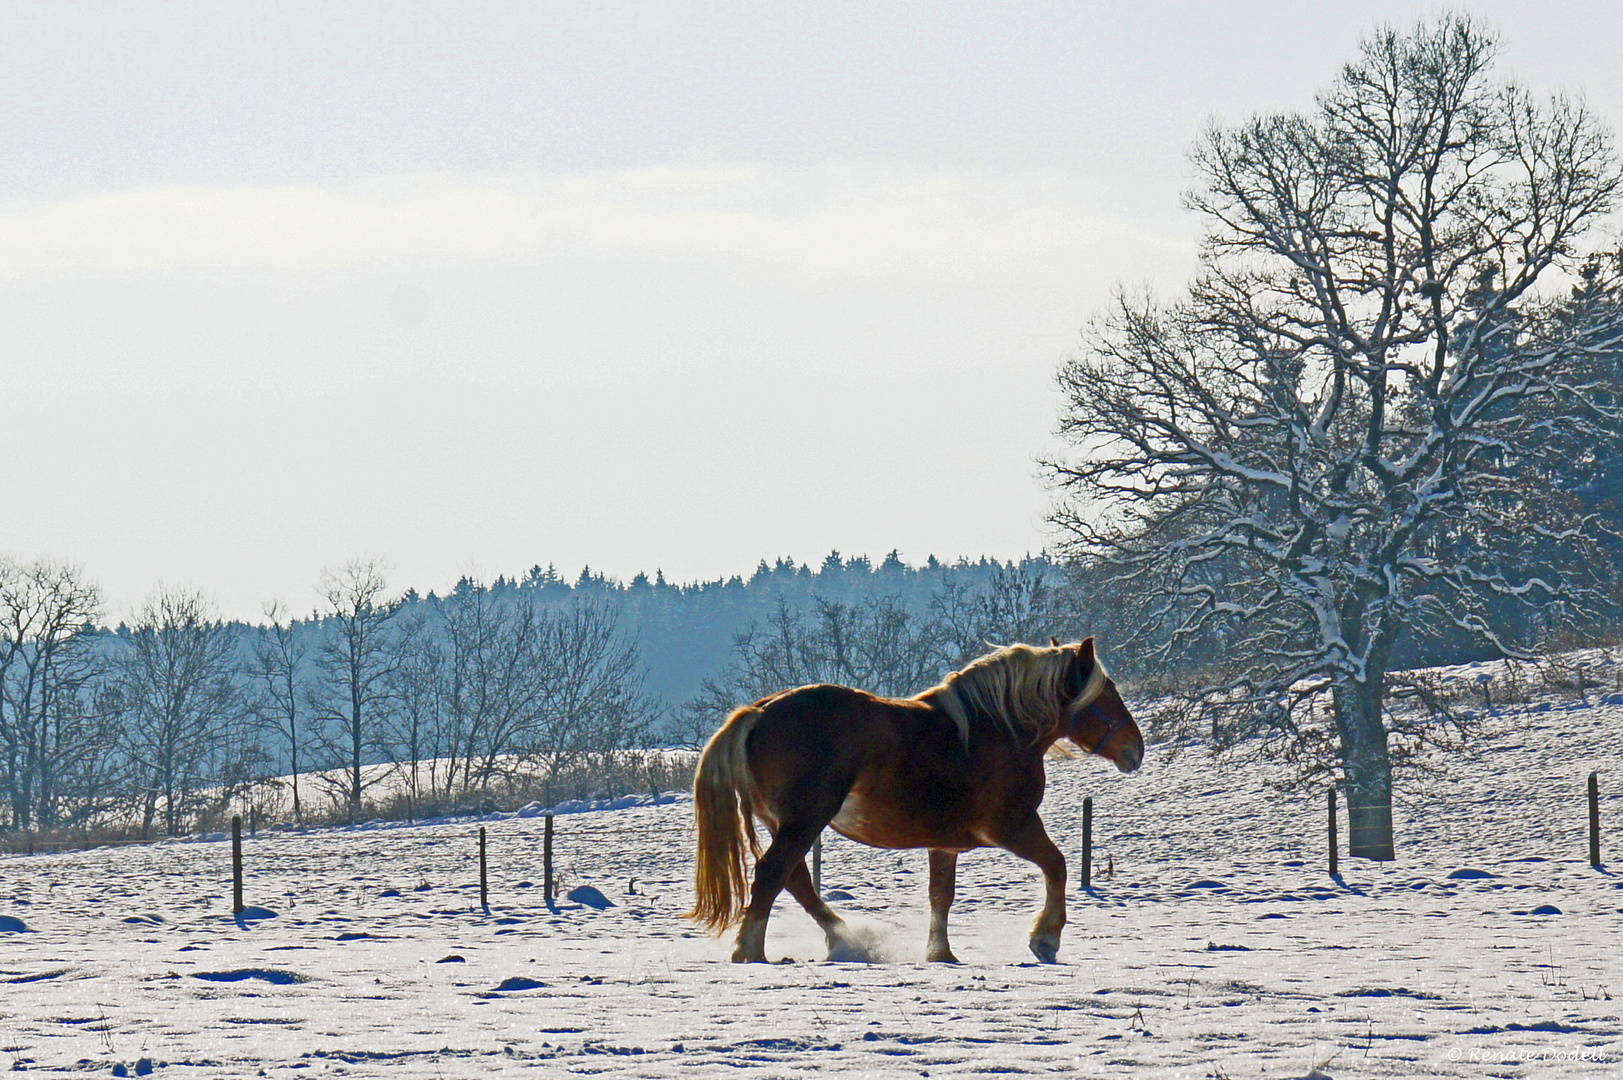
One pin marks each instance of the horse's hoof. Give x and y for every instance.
(943, 957)
(740, 957)
(1046, 952)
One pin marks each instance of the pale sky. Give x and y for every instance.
(475, 286)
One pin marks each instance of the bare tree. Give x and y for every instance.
(279, 671)
(180, 699)
(594, 705)
(354, 663)
(500, 667)
(1316, 451)
(490, 683)
(419, 731)
(49, 727)
(1019, 603)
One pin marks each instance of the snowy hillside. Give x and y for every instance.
(1220, 947)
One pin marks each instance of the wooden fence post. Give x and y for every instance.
(1594, 820)
(1087, 842)
(484, 888)
(1333, 852)
(236, 864)
(817, 865)
(546, 858)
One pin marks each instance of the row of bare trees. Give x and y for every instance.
(490, 685)
(490, 691)
(169, 717)
(455, 692)
(136, 722)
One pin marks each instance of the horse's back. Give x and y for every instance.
(892, 773)
(824, 734)
(832, 722)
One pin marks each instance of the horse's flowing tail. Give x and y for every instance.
(722, 795)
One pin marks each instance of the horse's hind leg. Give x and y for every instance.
(1031, 842)
(773, 871)
(943, 885)
(803, 889)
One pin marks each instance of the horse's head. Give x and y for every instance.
(1097, 719)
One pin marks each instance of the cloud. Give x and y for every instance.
(836, 221)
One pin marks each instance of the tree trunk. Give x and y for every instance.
(22, 803)
(1368, 769)
(13, 783)
(171, 818)
(298, 809)
(355, 766)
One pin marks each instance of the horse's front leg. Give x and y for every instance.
(1031, 842)
(943, 885)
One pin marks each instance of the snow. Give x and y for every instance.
(1218, 947)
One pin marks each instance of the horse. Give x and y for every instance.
(954, 768)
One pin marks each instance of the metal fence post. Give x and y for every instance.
(236, 864)
(1594, 820)
(1333, 845)
(484, 889)
(1087, 842)
(546, 858)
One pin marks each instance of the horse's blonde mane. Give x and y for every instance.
(1020, 686)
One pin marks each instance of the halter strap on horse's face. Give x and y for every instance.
(1112, 725)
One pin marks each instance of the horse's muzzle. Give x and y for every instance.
(1131, 758)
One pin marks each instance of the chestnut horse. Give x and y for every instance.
(957, 767)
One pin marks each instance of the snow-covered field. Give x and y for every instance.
(1220, 947)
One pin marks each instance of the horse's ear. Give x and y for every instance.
(1085, 652)
(1054, 641)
